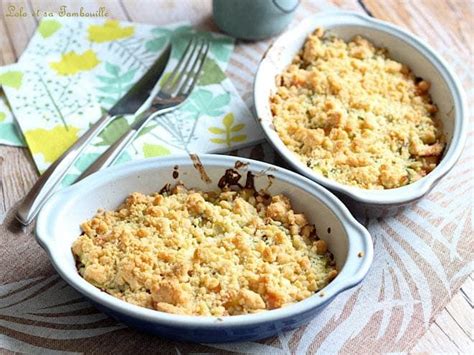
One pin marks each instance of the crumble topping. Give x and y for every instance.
(204, 253)
(354, 115)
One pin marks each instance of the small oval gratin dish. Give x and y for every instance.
(405, 48)
(58, 226)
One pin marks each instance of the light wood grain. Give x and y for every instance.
(19, 29)
(197, 12)
(441, 23)
(7, 53)
(453, 329)
(448, 21)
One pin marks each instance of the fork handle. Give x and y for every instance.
(111, 154)
(46, 184)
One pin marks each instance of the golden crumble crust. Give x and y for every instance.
(354, 115)
(204, 253)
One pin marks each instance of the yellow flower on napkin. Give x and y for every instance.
(71, 62)
(109, 31)
(51, 143)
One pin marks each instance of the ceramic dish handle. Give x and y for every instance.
(360, 254)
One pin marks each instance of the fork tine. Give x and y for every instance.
(192, 77)
(177, 69)
(186, 69)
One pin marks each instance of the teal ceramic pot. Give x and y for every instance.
(253, 19)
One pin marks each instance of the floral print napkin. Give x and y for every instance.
(74, 69)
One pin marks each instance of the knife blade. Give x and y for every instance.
(132, 101)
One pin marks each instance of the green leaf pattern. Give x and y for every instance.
(182, 124)
(221, 46)
(113, 131)
(47, 28)
(48, 97)
(9, 134)
(115, 84)
(163, 35)
(154, 150)
(123, 158)
(211, 73)
(8, 131)
(12, 78)
(229, 130)
(204, 102)
(80, 165)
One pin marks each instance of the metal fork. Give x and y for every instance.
(175, 90)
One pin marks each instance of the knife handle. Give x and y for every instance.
(111, 154)
(46, 184)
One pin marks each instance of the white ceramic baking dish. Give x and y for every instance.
(58, 226)
(404, 47)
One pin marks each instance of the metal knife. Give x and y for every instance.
(128, 104)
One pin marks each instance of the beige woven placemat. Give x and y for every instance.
(422, 256)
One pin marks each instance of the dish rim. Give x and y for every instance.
(358, 238)
(396, 196)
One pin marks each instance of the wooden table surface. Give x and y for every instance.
(452, 330)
